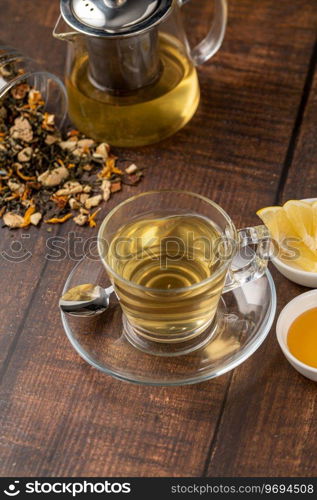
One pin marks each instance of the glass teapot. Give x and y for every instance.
(131, 74)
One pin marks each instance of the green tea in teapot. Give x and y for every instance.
(131, 73)
(144, 116)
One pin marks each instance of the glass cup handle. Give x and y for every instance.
(208, 47)
(255, 266)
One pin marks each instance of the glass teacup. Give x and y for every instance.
(169, 255)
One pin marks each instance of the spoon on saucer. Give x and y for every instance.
(86, 300)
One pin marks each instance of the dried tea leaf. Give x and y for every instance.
(43, 170)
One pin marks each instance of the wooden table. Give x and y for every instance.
(251, 144)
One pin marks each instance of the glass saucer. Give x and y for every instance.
(244, 319)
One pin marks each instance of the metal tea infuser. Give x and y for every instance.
(130, 72)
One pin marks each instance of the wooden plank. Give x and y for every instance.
(60, 417)
(302, 179)
(269, 423)
(20, 271)
(268, 427)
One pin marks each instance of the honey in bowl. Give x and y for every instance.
(302, 338)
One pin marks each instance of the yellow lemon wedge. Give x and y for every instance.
(294, 228)
(301, 216)
(314, 207)
(277, 222)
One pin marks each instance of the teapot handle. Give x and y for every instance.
(61, 35)
(208, 47)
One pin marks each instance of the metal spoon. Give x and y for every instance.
(85, 300)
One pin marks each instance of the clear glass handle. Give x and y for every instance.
(63, 35)
(251, 264)
(208, 47)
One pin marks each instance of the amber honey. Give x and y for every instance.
(302, 338)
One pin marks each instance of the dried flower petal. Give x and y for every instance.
(44, 170)
(91, 218)
(18, 167)
(27, 216)
(60, 201)
(59, 220)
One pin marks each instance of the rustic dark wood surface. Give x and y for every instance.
(252, 143)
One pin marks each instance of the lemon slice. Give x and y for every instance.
(292, 236)
(314, 208)
(277, 222)
(301, 216)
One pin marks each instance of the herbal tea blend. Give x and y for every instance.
(47, 176)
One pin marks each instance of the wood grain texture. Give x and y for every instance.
(61, 417)
(302, 176)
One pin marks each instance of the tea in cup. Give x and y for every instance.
(169, 256)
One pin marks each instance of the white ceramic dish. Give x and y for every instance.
(304, 278)
(290, 312)
(298, 276)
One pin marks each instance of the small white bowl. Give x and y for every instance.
(290, 312)
(299, 276)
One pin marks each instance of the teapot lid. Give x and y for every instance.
(112, 18)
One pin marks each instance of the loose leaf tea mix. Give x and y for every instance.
(47, 176)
